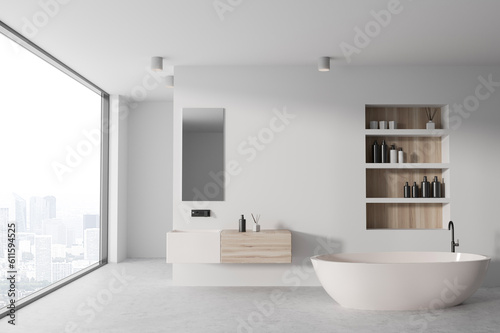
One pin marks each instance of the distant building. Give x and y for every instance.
(55, 228)
(90, 221)
(58, 251)
(61, 270)
(70, 235)
(91, 245)
(37, 206)
(78, 265)
(18, 213)
(43, 258)
(4, 219)
(76, 250)
(41, 209)
(26, 243)
(50, 207)
(24, 246)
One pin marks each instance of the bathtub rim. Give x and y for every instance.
(480, 258)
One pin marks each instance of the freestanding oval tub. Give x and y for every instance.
(400, 280)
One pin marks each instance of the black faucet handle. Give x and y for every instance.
(456, 243)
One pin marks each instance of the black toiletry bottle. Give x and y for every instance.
(407, 190)
(414, 190)
(426, 188)
(384, 151)
(243, 224)
(376, 152)
(436, 188)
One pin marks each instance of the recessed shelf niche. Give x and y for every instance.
(426, 153)
(404, 215)
(407, 117)
(388, 183)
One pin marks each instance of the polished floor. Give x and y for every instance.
(138, 296)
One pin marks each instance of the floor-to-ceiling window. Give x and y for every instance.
(53, 172)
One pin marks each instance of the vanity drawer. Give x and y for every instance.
(264, 247)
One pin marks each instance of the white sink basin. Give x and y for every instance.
(193, 246)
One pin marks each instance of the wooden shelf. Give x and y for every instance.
(405, 215)
(426, 153)
(406, 116)
(416, 149)
(408, 132)
(409, 200)
(407, 165)
(389, 183)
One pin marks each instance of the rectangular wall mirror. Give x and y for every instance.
(203, 154)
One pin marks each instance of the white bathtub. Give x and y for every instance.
(400, 280)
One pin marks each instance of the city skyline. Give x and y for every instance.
(50, 247)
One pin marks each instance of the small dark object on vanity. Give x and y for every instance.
(243, 224)
(200, 213)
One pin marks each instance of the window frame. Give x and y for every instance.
(104, 174)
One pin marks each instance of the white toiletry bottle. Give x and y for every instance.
(400, 156)
(393, 155)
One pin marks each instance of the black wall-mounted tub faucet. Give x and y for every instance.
(451, 227)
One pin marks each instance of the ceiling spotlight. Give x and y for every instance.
(324, 64)
(169, 81)
(157, 64)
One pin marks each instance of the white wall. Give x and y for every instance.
(149, 205)
(117, 214)
(310, 177)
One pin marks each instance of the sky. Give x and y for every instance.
(44, 115)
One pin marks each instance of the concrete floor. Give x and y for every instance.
(138, 296)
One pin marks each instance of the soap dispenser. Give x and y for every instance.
(436, 188)
(384, 152)
(243, 224)
(376, 152)
(414, 190)
(426, 188)
(406, 190)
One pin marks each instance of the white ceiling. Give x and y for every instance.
(111, 41)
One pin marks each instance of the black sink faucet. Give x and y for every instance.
(451, 227)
